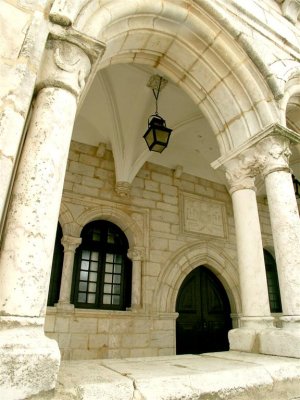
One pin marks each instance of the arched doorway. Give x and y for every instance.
(204, 314)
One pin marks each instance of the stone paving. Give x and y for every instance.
(212, 376)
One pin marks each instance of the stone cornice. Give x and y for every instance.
(92, 47)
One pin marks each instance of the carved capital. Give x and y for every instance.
(136, 254)
(65, 66)
(242, 170)
(70, 243)
(123, 188)
(275, 153)
(291, 9)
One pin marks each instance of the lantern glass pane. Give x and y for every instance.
(161, 136)
(158, 148)
(149, 138)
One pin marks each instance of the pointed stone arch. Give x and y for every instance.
(183, 262)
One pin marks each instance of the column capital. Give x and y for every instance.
(65, 65)
(241, 171)
(263, 153)
(70, 243)
(136, 253)
(275, 153)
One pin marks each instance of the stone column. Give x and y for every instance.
(18, 75)
(136, 255)
(252, 273)
(29, 234)
(70, 244)
(285, 225)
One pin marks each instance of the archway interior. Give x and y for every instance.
(115, 112)
(204, 314)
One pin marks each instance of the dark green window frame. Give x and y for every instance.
(102, 270)
(273, 284)
(56, 270)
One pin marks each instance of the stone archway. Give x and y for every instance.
(206, 61)
(184, 262)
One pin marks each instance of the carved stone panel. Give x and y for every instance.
(202, 215)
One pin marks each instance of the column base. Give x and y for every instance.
(280, 342)
(65, 307)
(29, 360)
(246, 337)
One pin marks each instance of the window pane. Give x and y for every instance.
(116, 289)
(85, 265)
(118, 259)
(117, 279)
(91, 298)
(109, 268)
(110, 237)
(107, 288)
(83, 286)
(81, 297)
(116, 300)
(95, 256)
(106, 299)
(94, 266)
(109, 258)
(83, 275)
(96, 235)
(92, 287)
(108, 278)
(117, 269)
(85, 254)
(93, 277)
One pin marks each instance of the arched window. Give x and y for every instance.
(272, 281)
(102, 273)
(57, 264)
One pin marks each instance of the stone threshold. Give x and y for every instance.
(212, 376)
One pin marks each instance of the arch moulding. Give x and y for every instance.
(207, 59)
(129, 226)
(184, 261)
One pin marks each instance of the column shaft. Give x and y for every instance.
(285, 224)
(70, 244)
(253, 283)
(26, 255)
(136, 284)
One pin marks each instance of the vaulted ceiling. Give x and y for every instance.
(115, 111)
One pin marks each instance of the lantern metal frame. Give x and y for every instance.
(157, 134)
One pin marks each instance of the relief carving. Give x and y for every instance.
(203, 215)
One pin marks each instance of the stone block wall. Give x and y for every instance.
(91, 334)
(156, 203)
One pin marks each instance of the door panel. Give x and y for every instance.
(204, 314)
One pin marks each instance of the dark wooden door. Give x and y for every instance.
(204, 314)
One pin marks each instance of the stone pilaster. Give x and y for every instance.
(70, 244)
(240, 173)
(136, 254)
(29, 234)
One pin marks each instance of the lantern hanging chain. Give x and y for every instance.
(156, 94)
